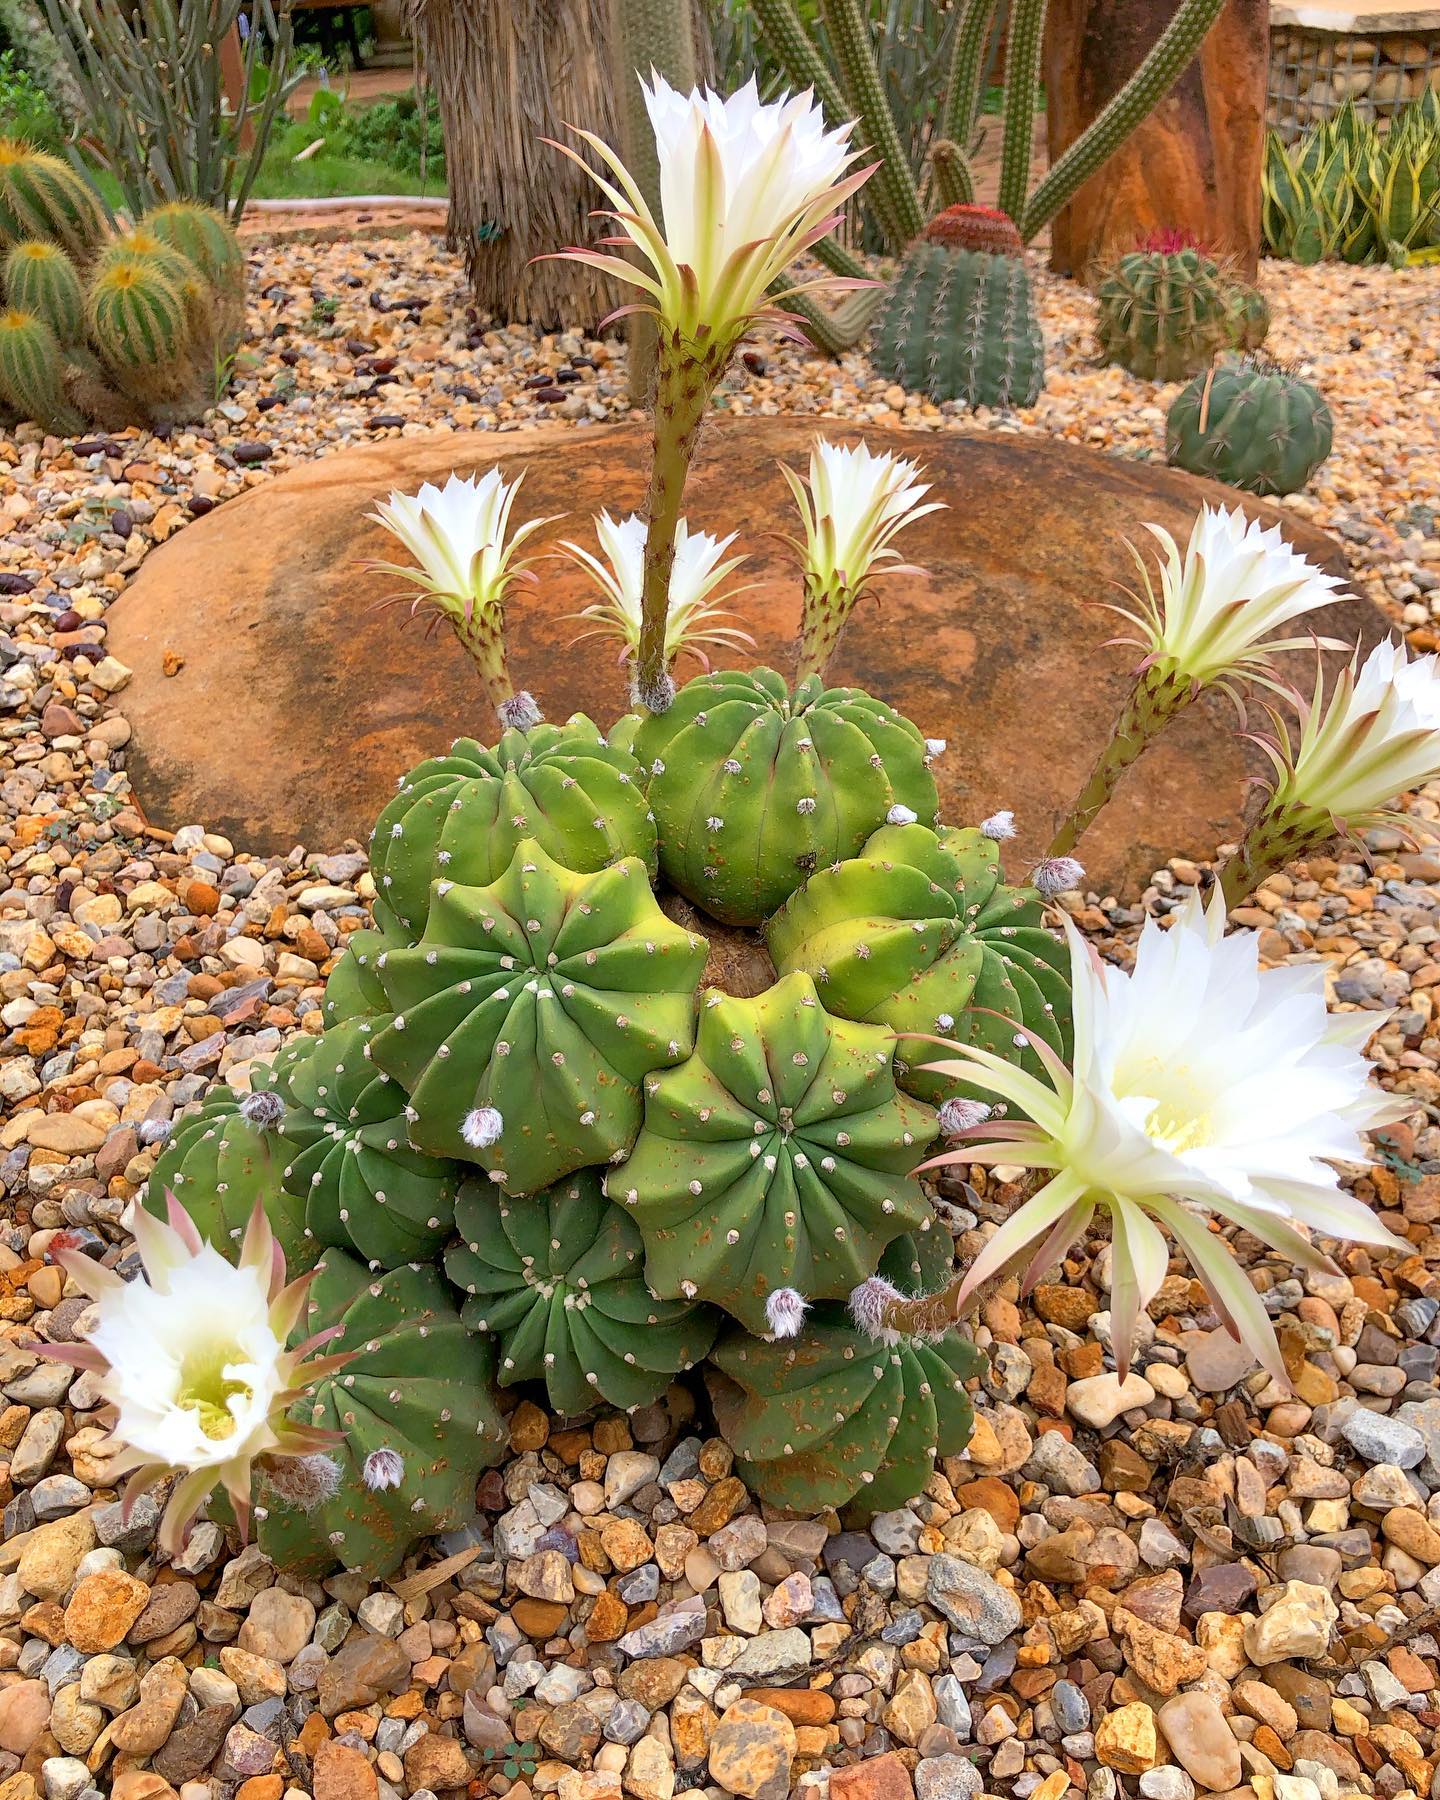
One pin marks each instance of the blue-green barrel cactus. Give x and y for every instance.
(461, 816)
(530, 1012)
(1251, 422)
(920, 933)
(558, 1279)
(754, 787)
(777, 1159)
(416, 1423)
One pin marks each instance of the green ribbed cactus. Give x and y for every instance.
(753, 787)
(32, 372)
(40, 278)
(530, 1012)
(1163, 314)
(778, 1157)
(363, 1187)
(139, 321)
(920, 933)
(1024, 39)
(960, 325)
(459, 817)
(1251, 423)
(559, 1281)
(893, 194)
(1247, 315)
(832, 1416)
(230, 1153)
(354, 990)
(418, 1422)
(43, 197)
(203, 237)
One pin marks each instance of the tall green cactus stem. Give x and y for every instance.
(921, 934)
(962, 102)
(794, 49)
(837, 329)
(1024, 41)
(686, 377)
(892, 194)
(1161, 69)
(832, 1416)
(1154, 700)
(778, 1157)
(1280, 836)
(529, 1013)
(754, 786)
(460, 817)
(32, 372)
(559, 1280)
(40, 278)
(960, 325)
(953, 181)
(416, 1421)
(350, 1162)
(646, 35)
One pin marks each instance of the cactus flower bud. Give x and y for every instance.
(265, 1110)
(384, 1468)
(482, 1127)
(1056, 875)
(785, 1311)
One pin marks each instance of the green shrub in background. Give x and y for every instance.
(400, 133)
(1348, 192)
(26, 109)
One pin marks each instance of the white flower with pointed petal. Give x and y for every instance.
(1200, 1084)
(852, 505)
(194, 1361)
(468, 562)
(693, 620)
(1222, 601)
(746, 186)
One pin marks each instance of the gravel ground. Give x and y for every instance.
(1194, 1582)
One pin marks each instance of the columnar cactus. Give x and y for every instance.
(753, 786)
(778, 1157)
(417, 1422)
(459, 817)
(40, 278)
(960, 325)
(921, 934)
(832, 1416)
(1250, 422)
(559, 1280)
(43, 197)
(1163, 314)
(227, 1155)
(363, 1187)
(530, 1012)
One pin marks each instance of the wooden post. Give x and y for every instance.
(1194, 165)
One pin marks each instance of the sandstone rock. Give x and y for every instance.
(360, 1673)
(1196, 1732)
(52, 1555)
(343, 1773)
(438, 1763)
(103, 1608)
(751, 1751)
(1125, 1739)
(1297, 1623)
(880, 1778)
(1098, 1400)
(278, 1626)
(24, 1712)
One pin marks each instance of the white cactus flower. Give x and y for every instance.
(1200, 1084)
(194, 1361)
(694, 620)
(852, 504)
(746, 187)
(460, 537)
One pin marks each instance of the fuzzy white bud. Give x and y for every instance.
(519, 712)
(900, 815)
(1056, 875)
(383, 1469)
(265, 1111)
(959, 1115)
(868, 1306)
(482, 1127)
(659, 697)
(935, 746)
(998, 826)
(785, 1311)
(304, 1482)
(154, 1131)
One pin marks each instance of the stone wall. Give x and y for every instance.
(1314, 72)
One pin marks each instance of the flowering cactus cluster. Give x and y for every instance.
(540, 1141)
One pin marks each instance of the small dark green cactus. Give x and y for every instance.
(777, 1158)
(960, 325)
(459, 817)
(530, 1012)
(921, 934)
(1247, 315)
(415, 1412)
(753, 787)
(1163, 314)
(230, 1153)
(559, 1280)
(1252, 423)
(350, 1162)
(832, 1416)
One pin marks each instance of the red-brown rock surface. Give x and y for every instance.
(298, 704)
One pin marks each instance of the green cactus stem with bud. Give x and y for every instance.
(1157, 696)
(1250, 422)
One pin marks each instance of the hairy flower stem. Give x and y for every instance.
(824, 614)
(483, 635)
(685, 379)
(1154, 700)
(932, 1315)
(1279, 837)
